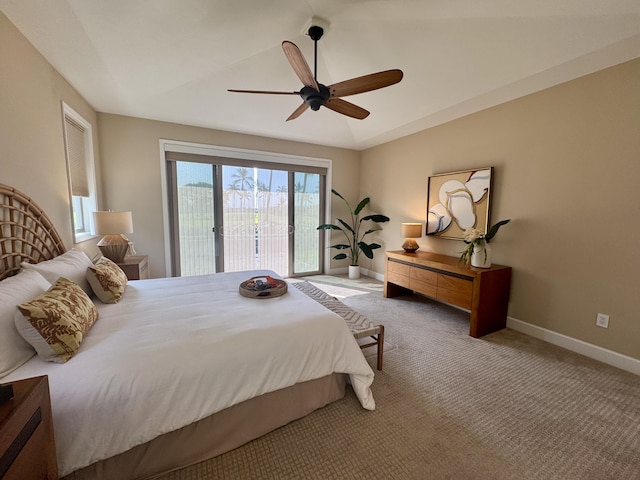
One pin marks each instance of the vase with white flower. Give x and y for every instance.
(478, 251)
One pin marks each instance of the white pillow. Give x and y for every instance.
(24, 286)
(72, 265)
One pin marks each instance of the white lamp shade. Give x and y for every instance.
(112, 223)
(412, 230)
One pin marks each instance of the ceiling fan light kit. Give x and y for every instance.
(314, 94)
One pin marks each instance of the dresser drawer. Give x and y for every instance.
(398, 273)
(424, 276)
(424, 288)
(424, 281)
(398, 279)
(399, 268)
(454, 290)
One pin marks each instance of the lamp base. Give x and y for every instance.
(410, 245)
(114, 247)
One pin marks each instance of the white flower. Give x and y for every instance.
(471, 235)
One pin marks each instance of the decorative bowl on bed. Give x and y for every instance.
(263, 287)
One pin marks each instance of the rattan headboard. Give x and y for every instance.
(26, 233)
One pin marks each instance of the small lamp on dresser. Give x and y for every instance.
(113, 225)
(411, 231)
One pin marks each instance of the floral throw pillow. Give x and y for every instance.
(56, 321)
(107, 280)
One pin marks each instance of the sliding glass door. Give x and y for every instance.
(194, 228)
(243, 217)
(307, 210)
(255, 218)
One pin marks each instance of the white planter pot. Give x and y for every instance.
(354, 271)
(481, 256)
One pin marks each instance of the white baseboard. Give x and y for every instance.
(377, 276)
(363, 271)
(603, 355)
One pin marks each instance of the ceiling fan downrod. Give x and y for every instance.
(315, 33)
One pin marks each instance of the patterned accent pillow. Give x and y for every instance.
(107, 280)
(56, 321)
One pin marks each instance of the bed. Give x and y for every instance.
(178, 370)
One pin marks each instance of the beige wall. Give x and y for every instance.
(132, 170)
(567, 172)
(31, 128)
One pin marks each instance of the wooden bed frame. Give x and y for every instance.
(27, 234)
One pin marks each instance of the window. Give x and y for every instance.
(78, 141)
(235, 217)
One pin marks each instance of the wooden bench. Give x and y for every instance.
(360, 326)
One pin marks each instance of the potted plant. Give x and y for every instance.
(477, 253)
(351, 229)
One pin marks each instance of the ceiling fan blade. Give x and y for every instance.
(365, 83)
(298, 111)
(299, 64)
(262, 91)
(346, 108)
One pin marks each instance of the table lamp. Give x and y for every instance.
(113, 225)
(411, 231)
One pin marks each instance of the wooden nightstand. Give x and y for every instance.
(136, 267)
(27, 447)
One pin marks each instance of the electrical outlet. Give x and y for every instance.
(602, 320)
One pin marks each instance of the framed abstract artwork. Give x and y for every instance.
(457, 201)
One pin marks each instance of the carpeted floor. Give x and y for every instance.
(448, 406)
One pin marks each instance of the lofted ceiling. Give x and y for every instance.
(173, 60)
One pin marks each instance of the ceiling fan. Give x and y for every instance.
(315, 95)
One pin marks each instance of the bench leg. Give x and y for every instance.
(380, 346)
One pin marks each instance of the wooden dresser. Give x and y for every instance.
(27, 447)
(482, 291)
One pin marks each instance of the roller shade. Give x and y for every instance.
(76, 157)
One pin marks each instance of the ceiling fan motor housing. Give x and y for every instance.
(314, 98)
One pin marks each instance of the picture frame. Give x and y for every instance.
(457, 201)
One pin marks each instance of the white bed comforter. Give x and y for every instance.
(176, 350)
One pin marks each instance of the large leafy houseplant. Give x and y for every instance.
(351, 229)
